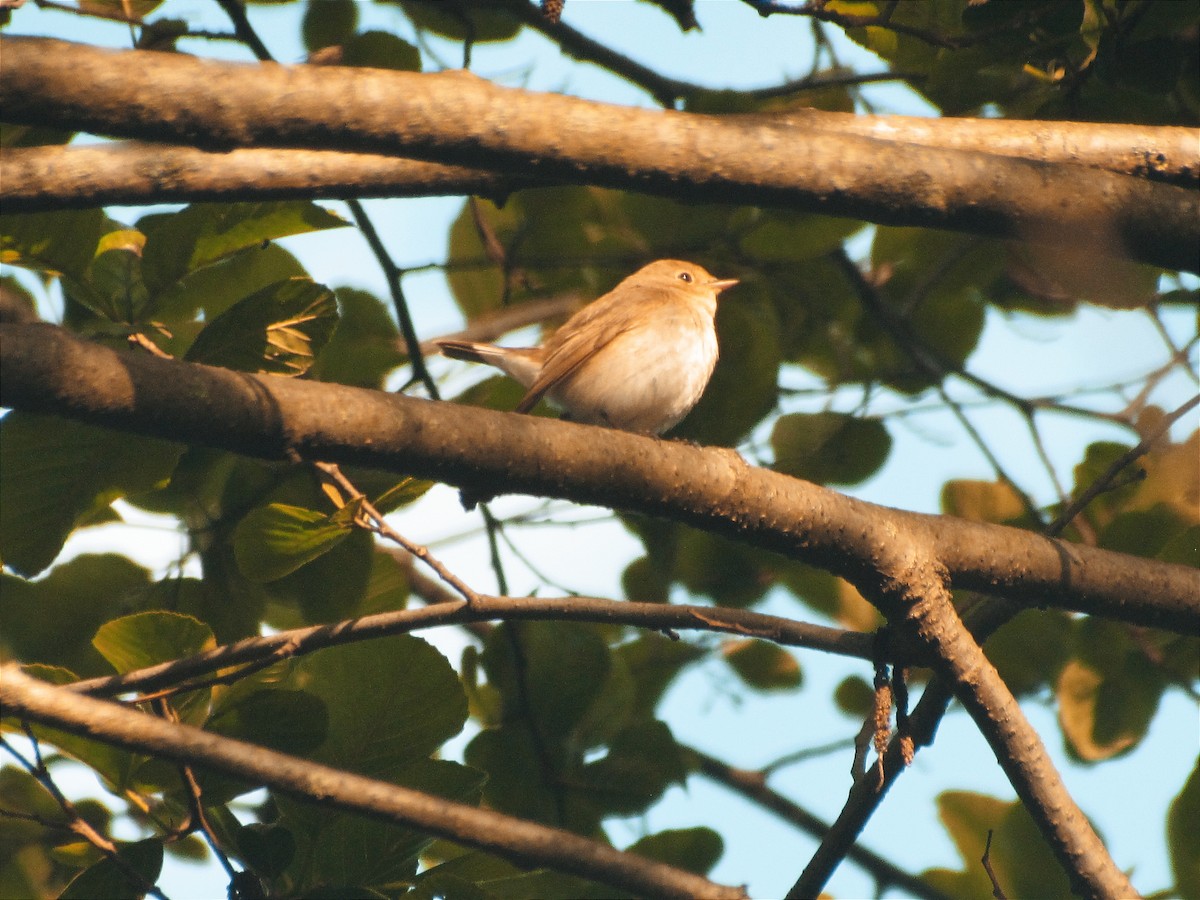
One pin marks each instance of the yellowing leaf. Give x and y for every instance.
(981, 501)
(278, 330)
(763, 665)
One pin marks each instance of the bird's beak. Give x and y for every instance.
(722, 284)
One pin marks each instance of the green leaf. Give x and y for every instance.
(561, 670)
(215, 288)
(473, 21)
(52, 242)
(328, 22)
(1030, 650)
(380, 50)
(277, 539)
(787, 236)
(854, 696)
(201, 234)
(763, 665)
(691, 849)
(1024, 865)
(729, 572)
(107, 881)
(380, 732)
(278, 330)
(331, 587)
(366, 345)
(642, 762)
(405, 491)
(829, 448)
(480, 289)
(517, 776)
(148, 638)
(344, 849)
(112, 285)
(611, 710)
(56, 473)
(267, 849)
(387, 585)
(52, 620)
(982, 501)
(293, 722)
(654, 660)
(1108, 691)
(1183, 838)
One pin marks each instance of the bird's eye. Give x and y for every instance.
(685, 276)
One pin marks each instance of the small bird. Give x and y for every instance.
(637, 359)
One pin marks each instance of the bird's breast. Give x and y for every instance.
(647, 378)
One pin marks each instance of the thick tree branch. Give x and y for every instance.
(1159, 152)
(44, 369)
(515, 839)
(459, 119)
(482, 608)
(926, 612)
(36, 179)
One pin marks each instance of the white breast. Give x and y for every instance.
(646, 379)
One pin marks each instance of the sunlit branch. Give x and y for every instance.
(753, 786)
(512, 838)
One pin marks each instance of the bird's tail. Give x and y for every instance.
(469, 351)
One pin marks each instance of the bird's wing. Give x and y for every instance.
(581, 339)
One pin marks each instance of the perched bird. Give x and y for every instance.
(637, 359)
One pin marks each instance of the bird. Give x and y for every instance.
(636, 359)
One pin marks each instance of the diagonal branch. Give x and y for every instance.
(457, 118)
(921, 607)
(514, 839)
(753, 786)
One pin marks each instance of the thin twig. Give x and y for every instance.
(392, 272)
(395, 276)
(1104, 480)
(657, 616)
(986, 859)
(75, 822)
(752, 785)
(380, 526)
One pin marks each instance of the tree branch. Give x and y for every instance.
(483, 608)
(44, 369)
(927, 614)
(753, 786)
(457, 118)
(515, 839)
(37, 179)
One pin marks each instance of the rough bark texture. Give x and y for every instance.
(524, 842)
(44, 369)
(459, 119)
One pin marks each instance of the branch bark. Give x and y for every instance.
(925, 611)
(753, 786)
(459, 119)
(40, 179)
(516, 839)
(300, 641)
(44, 369)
